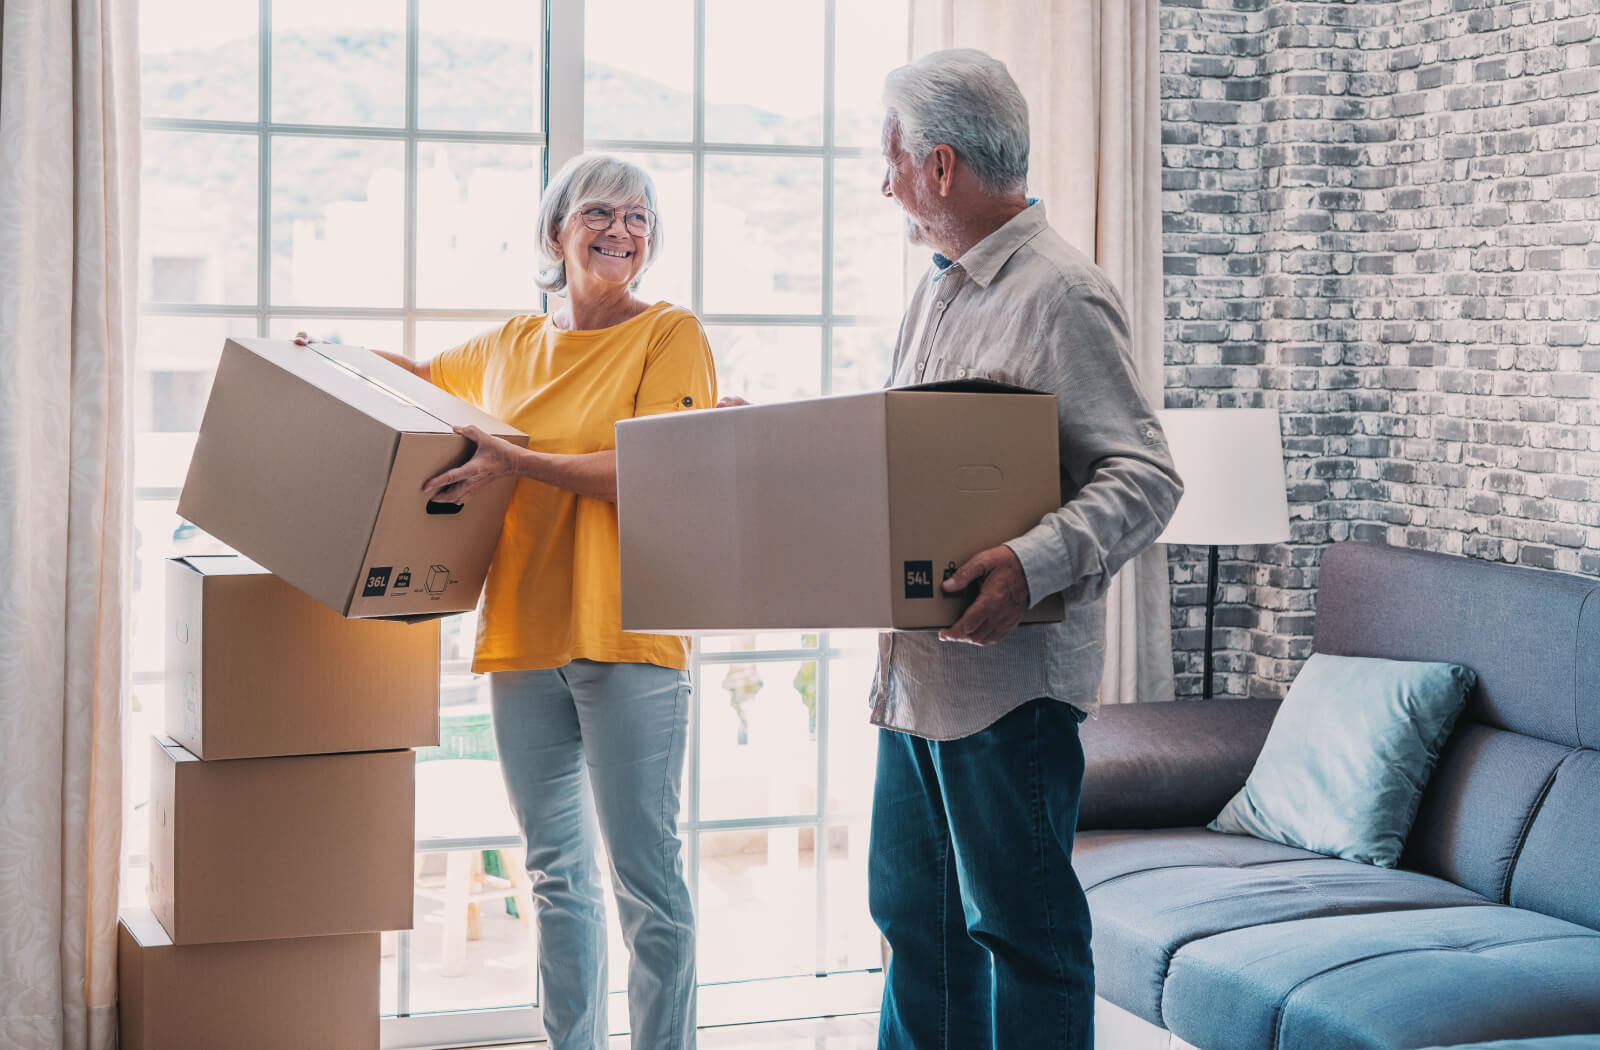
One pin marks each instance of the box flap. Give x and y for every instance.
(972, 386)
(175, 751)
(407, 388)
(142, 925)
(310, 365)
(220, 564)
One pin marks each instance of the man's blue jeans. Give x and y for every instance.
(971, 882)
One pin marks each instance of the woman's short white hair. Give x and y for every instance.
(966, 100)
(590, 178)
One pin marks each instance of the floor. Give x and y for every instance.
(856, 1032)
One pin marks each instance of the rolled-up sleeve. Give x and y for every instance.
(1118, 481)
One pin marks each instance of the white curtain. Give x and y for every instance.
(69, 172)
(1089, 70)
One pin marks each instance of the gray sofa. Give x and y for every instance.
(1488, 930)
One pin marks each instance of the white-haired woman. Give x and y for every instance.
(589, 721)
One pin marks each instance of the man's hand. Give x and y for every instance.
(495, 458)
(1001, 601)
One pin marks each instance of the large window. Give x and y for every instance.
(369, 171)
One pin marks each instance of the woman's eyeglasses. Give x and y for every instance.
(638, 221)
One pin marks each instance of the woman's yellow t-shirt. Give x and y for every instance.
(554, 589)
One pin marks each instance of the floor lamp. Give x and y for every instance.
(1231, 462)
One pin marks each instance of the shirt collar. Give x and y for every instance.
(983, 260)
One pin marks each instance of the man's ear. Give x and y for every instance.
(944, 168)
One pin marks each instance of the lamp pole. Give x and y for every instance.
(1211, 613)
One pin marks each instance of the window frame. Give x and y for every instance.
(561, 138)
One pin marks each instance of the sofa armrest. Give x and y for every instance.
(1168, 765)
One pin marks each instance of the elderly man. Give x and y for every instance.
(979, 764)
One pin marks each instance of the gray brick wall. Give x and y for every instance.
(1380, 218)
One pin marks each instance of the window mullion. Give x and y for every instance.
(564, 82)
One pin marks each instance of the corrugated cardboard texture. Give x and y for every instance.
(810, 514)
(316, 993)
(256, 669)
(268, 848)
(779, 523)
(296, 464)
(965, 472)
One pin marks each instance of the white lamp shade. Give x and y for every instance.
(1231, 463)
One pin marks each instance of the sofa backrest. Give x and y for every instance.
(1509, 812)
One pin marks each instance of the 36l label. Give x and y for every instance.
(377, 581)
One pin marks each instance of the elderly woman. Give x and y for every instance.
(589, 721)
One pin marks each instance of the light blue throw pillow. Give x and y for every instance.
(1349, 753)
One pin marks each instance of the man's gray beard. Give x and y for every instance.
(914, 232)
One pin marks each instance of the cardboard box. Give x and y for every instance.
(256, 668)
(311, 460)
(312, 993)
(838, 512)
(263, 848)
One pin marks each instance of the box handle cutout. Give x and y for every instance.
(979, 478)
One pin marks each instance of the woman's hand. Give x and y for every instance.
(494, 458)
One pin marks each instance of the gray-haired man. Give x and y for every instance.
(979, 764)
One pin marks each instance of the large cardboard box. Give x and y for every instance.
(256, 668)
(263, 848)
(312, 993)
(838, 512)
(311, 460)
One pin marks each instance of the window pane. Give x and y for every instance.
(868, 242)
(764, 71)
(758, 747)
(199, 61)
(176, 361)
(476, 212)
(435, 337)
(337, 222)
(473, 942)
(198, 211)
(861, 359)
(638, 75)
(733, 643)
(351, 331)
(871, 39)
(758, 904)
(479, 65)
(763, 235)
(852, 936)
(852, 739)
(669, 277)
(767, 364)
(339, 62)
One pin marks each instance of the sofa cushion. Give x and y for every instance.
(1152, 892)
(1348, 756)
(1554, 1042)
(1385, 982)
(1479, 806)
(1533, 636)
(1557, 870)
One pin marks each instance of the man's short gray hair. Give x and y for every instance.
(966, 100)
(590, 178)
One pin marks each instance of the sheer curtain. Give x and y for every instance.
(1089, 70)
(68, 213)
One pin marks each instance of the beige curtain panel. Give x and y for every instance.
(1089, 70)
(69, 113)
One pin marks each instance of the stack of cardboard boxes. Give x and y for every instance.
(281, 816)
(282, 797)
